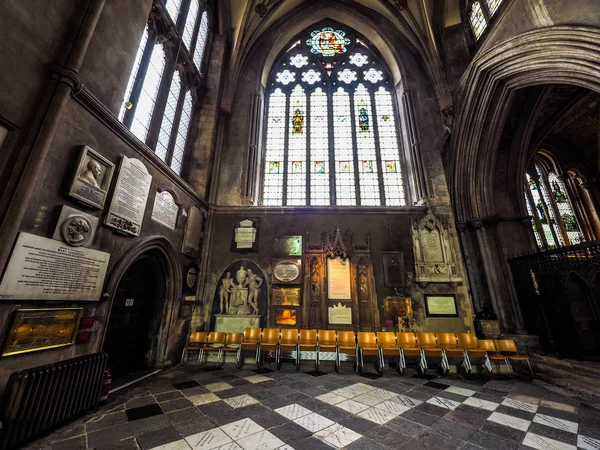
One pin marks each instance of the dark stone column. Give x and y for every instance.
(472, 271)
(592, 200)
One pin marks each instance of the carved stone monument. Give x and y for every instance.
(435, 260)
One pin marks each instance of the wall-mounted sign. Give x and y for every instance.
(338, 279)
(91, 179)
(45, 269)
(340, 314)
(129, 199)
(287, 271)
(41, 329)
(440, 306)
(285, 297)
(165, 209)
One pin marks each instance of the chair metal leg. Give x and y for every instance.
(200, 355)
(530, 369)
(239, 360)
(182, 356)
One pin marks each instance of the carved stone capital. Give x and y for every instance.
(461, 226)
(69, 77)
(477, 224)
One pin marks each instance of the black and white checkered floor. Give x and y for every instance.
(193, 407)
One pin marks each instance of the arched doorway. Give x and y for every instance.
(134, 317)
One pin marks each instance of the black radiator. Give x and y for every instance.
(39, 399)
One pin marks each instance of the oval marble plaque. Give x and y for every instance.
(286, 271)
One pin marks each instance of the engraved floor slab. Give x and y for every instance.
(230, 446)
(240, 401)
(587, 443)
(554, 422)
(352, 407)
(313, 422)
(517, 404)
(559, 406)
(177, 445)
(263, 440)
(377, 415)
(358, 389)
(510, 421)
(338, 435)
(241, 428)
(482, 404)
(460, 391)
(203, 399)
(217, 387)
(293, 411)
(391, 407)
(331, 399)
(406, 401)
(544, 443)
(368, 399)
(257, 379)
(208, 440)
(444, 403)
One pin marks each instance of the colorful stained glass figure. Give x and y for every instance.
(559, 195)
(299, 60)
(328, 42)
(367, 166)
(344, 166)
(363, 117)
(297, 166)
(358, 59)
(477, 20)
(385, 117)
(286, 77)
(390, 167)
(274, 167)
(347, 76)
(373, 75)
(298, 121)
(319, 167)
(541, 212)
(311, 76)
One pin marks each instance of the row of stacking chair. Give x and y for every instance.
(215, 341)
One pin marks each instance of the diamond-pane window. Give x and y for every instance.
(201, 41)
(134, 73)
(477, 20)
(493, 5)
(190, 23)
(173, 7)
(166, 127)
(182, 133)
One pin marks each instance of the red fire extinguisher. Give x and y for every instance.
(104, 390)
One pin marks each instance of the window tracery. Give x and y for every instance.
(331, 136)
(169, 60)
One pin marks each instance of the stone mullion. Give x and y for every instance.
(139, 80)
(357, 196)
(382, 199)
(559, 221)
(546, 210)
(536, 218)
(175, 129)
(308, 146)
(286, 148)
(331, 139)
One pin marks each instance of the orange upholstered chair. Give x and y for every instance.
(250, 343)
(432, 354)
(327, 346)
(196, 342)
(367, 347)
(307, 343)
(288, 346)
(214, 343)
(269, 344)
(508, 348)
(473, 354)
(409, 351)
(233, 343)
(346, 345)
(453, 352)
(388, 347)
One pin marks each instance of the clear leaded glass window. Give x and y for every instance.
(554, 222)
(331, 129)
(493, 6)
(161, 94)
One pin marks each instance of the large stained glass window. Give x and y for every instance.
(480, 14)
(493, 6)
(162, 91)
(553, 220)
(331, 127)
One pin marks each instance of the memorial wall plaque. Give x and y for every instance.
(338, 279)
(440, 306)
(287, 271)
(285, 297)
(193, 232)
(287, 246)
(128, 202)
(165, 209)
(45, 269)
(91, 179)
(245, 236)
(340, 314)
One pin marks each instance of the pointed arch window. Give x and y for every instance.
(553, 219)
(162, 92)
(331, 124)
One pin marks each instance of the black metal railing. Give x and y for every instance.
(545, 286)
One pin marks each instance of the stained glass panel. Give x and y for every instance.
(373, 75)
(328, 42)
(166, 127)
(296, 176)
(201, 41)
(389, 150)
(311, 76)
(553, 222)
(275, 143)
(493, 5)
(358, 59)
(536, 232)
(147, 99)
(345, 189)
(286, 77)
(347, 76)
(134, 73)
(365, 143)
(299, 60)
(182, 133)
(564, 209)
(319, 148)
(190, 23)
(541, 211)
(477, 20)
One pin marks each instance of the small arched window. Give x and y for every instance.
(331, 131)
(480, 14)
(161, 94)
(553, 219)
